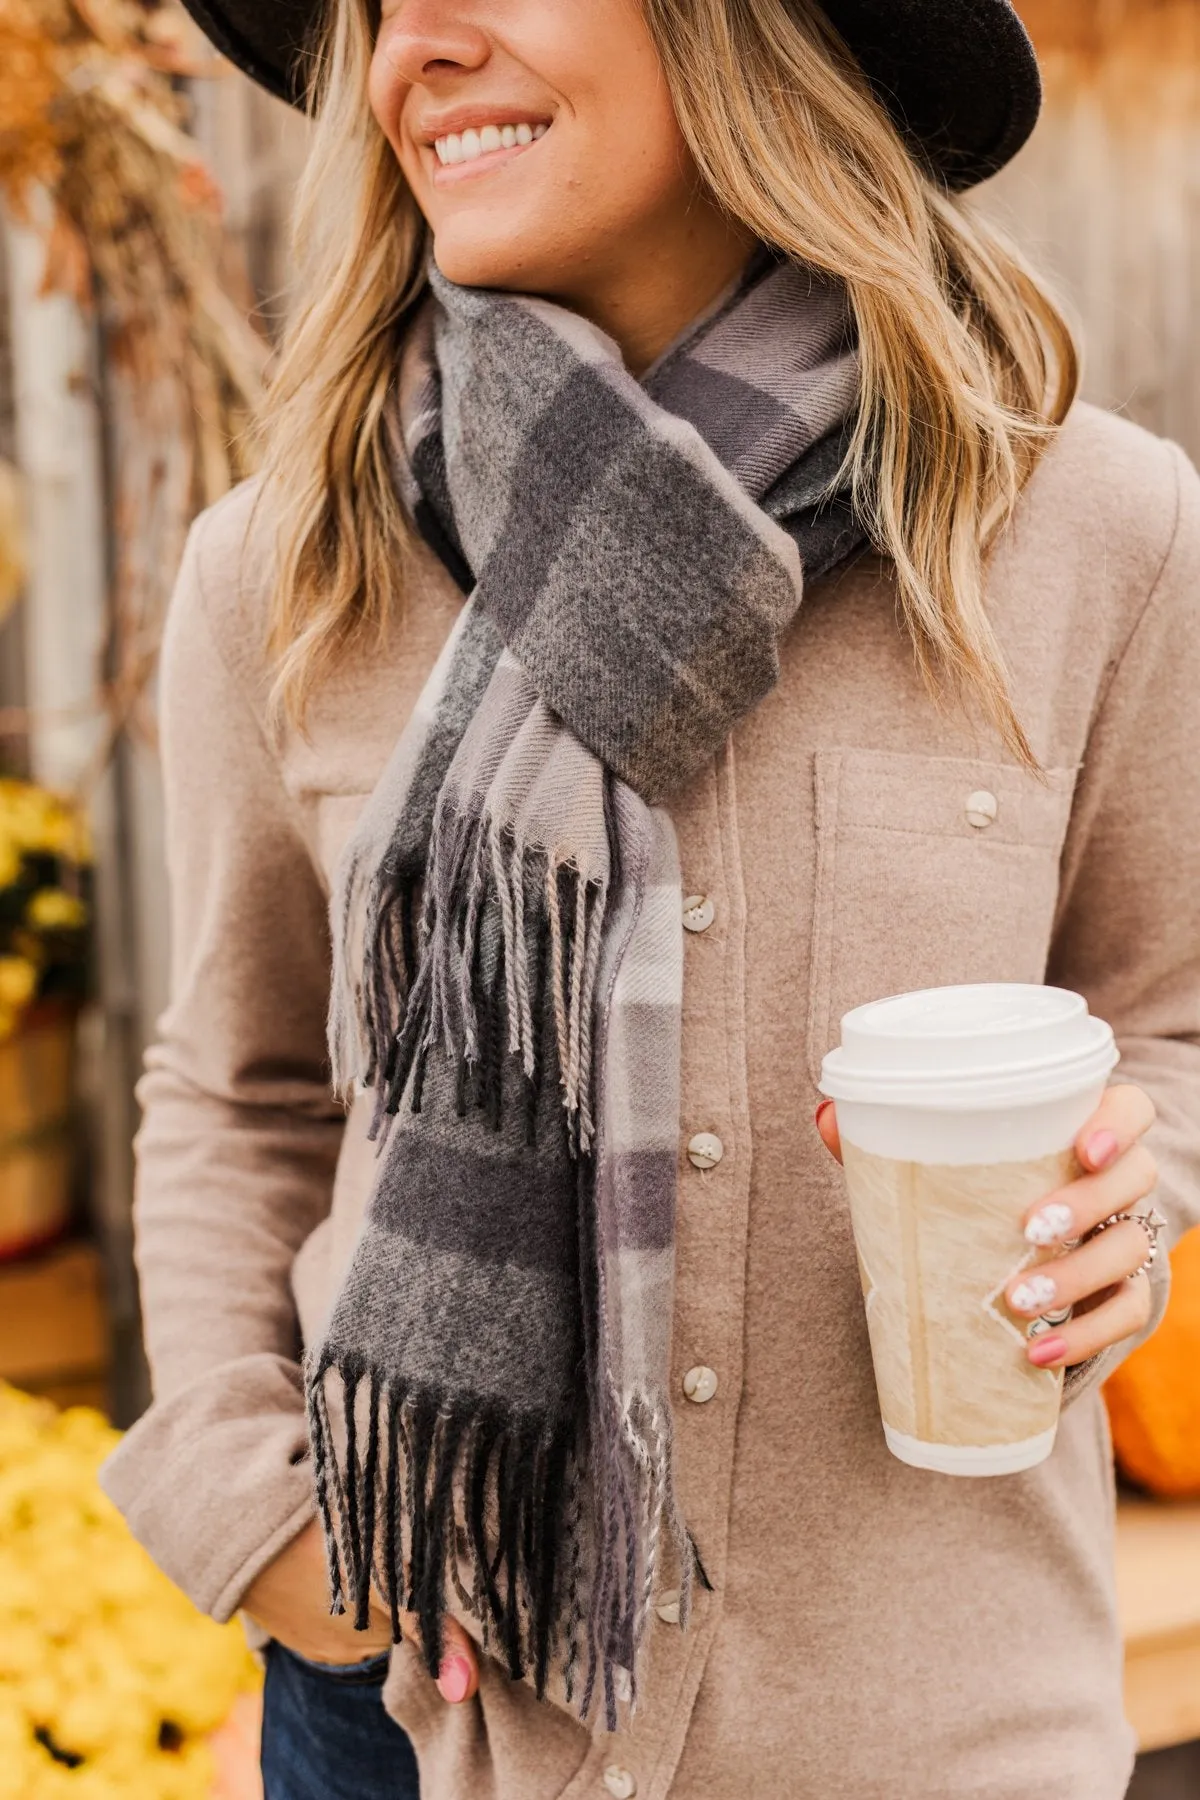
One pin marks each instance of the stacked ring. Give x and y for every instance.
(1152, 1223)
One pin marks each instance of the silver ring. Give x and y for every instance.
(1152, 1223)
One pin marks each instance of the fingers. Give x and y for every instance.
(1123, 1116)
(1079, 1207)
(1124, 1313)
(458, 1675)
(1093, 1278)
(828, 1127)
(1111, 1256)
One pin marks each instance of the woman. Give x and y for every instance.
(631, 322)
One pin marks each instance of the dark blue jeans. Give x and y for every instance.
(325, 1734)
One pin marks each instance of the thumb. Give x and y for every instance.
(458, 1673)
(458, 1676)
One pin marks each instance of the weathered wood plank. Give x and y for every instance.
(1107, 196)
(1158, 1586)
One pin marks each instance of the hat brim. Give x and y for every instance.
(960, 77)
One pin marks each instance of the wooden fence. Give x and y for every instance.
(1107, 196)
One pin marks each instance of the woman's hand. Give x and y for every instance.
(290, 1600)
(1117, 1173)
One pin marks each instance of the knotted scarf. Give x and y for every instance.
(508, 960)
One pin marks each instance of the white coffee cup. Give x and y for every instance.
(958, 1109)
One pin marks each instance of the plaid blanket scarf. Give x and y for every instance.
(507, 929)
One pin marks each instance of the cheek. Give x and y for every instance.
(651, 183)
(386, 92)
(635, 154)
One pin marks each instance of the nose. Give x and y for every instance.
(424, 39)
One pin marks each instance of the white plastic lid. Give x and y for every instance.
(994, 1044)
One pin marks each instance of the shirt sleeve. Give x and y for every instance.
(1128, 930)
(239, 1136)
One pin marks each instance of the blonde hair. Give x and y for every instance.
(968, 365)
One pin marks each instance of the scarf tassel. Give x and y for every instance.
(431, 1503)
(429, 1500)
(504, 968)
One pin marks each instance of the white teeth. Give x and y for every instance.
(456, 148)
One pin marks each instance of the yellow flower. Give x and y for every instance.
(18, 979)
(36, 821)
(53, 909)
(59, 827)
(96, 1646)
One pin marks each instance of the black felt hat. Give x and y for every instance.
(959, 76)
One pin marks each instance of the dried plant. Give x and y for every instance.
(12, 538)
(94, 150)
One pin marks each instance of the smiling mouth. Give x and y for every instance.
(468, 146)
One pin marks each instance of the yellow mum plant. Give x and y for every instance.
(45, 856)
(110, 1680)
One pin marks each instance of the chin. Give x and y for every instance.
(488, 258)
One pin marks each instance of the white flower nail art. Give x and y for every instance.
(1034, 1295)
(1050, 1225)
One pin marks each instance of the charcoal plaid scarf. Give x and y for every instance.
(508, 951)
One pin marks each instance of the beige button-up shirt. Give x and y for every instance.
(872, 1632)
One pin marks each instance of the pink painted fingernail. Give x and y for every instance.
(1102, 1149)
(454, 1678)
(1045, 1350)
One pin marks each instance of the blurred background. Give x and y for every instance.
(144, 196)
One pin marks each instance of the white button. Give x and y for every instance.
(619, 1782)
(700, 1384)
(623, 1686)
(982, 808)
(704, 1150)
(698, 912)
(668, 1607)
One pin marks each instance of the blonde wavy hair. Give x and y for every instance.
(968, 364)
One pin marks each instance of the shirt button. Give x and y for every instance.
(623, 1686)
(620, 1782)
(668, 1607)
(698, 912)
(700, 1384)
(704, 1150)
(982, 808)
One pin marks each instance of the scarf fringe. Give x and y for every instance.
(508, 947)
(431, 1503)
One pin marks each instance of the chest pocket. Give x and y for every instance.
(930, 871)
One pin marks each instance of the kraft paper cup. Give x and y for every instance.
(958, 1108)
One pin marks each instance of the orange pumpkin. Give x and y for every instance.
(1154, 1397)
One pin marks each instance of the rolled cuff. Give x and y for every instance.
(215, 1480)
